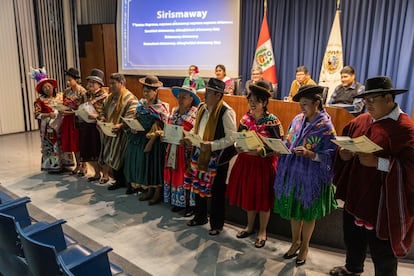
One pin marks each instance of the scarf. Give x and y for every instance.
(114, 117)
(211, 125)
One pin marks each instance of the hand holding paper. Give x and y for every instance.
(133, 124)
(276, 145)
(194, 138)
(359, 144)
(172, 134)
(106, 128)
(247, 140)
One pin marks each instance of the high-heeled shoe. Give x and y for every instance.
(300, 262)
(288, 256)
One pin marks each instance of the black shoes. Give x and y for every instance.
(260, 243)
(115, 186)
(194, 222)
(244, 234)
(300, 262)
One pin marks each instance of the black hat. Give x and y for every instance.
(381, 84)
(260, 88)
(216, 85)
(151, 81)
(96, 75)
(308, 90)
(73, 72)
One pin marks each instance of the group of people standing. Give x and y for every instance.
(375, 187)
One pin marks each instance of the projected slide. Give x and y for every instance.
(164, 37)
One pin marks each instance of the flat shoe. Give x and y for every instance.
(115, 187)
(214, 232)
(244, 234)
(340, 270)
(93, 178)
(259, 243)
(300, 262)
(130, 191)
(103, 180)
(195, 223)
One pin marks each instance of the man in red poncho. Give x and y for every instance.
(377, 188)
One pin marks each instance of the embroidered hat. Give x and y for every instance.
(96, 75)
(187, 89)
(380, 84)
(151, 81)
(307, 90)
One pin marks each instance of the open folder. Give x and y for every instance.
(106, 128)
(277, 145)
(247, 140)
(133, 124)
(359, 144)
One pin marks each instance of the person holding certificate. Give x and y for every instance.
(253, 174)
(120, 103)
(303, 184)
(89, 138)
(377, 187)
(144, 156)
(215, 123)
(177, 157)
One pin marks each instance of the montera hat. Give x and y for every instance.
(308, 90)
(41, 77)
(186, 89)
(381, 84)
(216, 85)
(151, 81)
(260, 88)
(73, 72)
(96, 75)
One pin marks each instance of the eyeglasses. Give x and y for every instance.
(371, 100)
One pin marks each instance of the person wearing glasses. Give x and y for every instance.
(377, 188)
(302, 78)
(257, 75)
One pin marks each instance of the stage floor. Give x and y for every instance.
(146, 239)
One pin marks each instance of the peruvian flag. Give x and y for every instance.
(264, 53)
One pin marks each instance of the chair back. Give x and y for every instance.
(17, 209)
(9, 241)
(41, 258)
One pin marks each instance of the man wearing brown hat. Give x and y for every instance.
(377, 188)
(215, 123)
(121, 103)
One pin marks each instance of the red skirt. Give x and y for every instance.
(251, 182)
(69, 134)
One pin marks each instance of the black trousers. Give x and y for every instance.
(357, 239)
(218, 200)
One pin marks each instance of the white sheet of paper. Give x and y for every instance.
(106, 128)
(247, 140)
(133, 124)
(84, 115)
(60, 107)
(194, 138)
(173, 134)
(359, 144)
(277, 145)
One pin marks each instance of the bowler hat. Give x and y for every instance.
(308, 90)
(260, 88)
(150, 81)
(187, 89)
(96, 75)
(381, 84)
(73, 72)
(216, 85)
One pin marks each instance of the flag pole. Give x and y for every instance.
(265, 5)
(338, 4)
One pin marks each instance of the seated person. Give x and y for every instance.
(257, 75)
(193, 79)
(221, 75)
(347, 90)
(302, 78)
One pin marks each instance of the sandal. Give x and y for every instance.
(260, 243)
(214, 232)
(103, 180)
(341, 270)
(244, 234)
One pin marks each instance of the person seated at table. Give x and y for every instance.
(302, 78)
(347, 90)
(221, 75)
(257, 75)
(194, 80)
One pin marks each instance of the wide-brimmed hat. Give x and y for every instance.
(186, 89)
(39, 85)
(260, 89)
(308, 90)
(40, 75)
(216, 85)
(96, 75)
(150, 81)
(73, 72)
(381, 84)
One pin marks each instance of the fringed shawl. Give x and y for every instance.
(300, 173)
(210, 129)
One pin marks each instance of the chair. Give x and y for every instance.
(18, 209)
(45, 255)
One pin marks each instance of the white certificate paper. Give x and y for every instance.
(106, 128)
(173, 134)
(84, 115)
(247, 140)
(194, 138)
(277, 145)
(359, 144)
(133, 124)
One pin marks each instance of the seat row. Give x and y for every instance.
(43, 246)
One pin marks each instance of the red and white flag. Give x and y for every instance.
(264, 53)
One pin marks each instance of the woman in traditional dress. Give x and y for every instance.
(73, 96)
(253, 174)
(49, 120)
(194, 80)
(144, 156)
(303, 185)
(178, 157)
(89, 137)
(221, 74)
